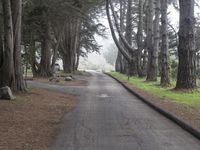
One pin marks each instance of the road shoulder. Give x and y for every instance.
(169, 109)
(33, 120)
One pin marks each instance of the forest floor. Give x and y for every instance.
(32, 121)
(76, 82)
(186, 106)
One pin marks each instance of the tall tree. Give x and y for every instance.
(17, 25)
(151, 69)
(70, 44)
(44, 69)
(117, 42)
(186, 78)
(7, 78)
(11, 66)
(125, 48)
(121, 62)
(156, 41)
(132, 66)
(165, 79)
(140, 38)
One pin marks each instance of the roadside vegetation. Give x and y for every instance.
(182, 97)
(151, 46)
(36, 34)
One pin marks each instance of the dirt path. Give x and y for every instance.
(32, 121)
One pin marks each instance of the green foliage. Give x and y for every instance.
(190, 98)
(37, 14)
(88, 42)
(174, 68)
(198, 72)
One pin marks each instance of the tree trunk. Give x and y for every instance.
(156, 41)
(132, 68)
(17, 17)
(55, 56)
(77, 62)
(144, 62)
(133, 65)
(78, 57)
(140, 39)
(186, 78)
(117, 42)
(8, 63)
(151, 68)
(198, 61)
(67, 67)
(119, 63)
(32, 60)
(124, 64)
(70, 44)
(76, 45)
(165, 79)
(45, 64)
(1, 52)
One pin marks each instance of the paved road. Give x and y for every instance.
(110, 118)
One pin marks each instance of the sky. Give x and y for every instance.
(98, 58)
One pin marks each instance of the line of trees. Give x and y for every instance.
(10, 55)
(37, 33)
(145, 39)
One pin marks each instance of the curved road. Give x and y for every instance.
(110, 118)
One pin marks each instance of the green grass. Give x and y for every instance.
(29, 73)
(190, 98)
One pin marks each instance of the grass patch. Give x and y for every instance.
(192, 98)
(29, 73)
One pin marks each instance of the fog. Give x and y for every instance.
(99, 60)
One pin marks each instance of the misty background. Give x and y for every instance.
(105, 60)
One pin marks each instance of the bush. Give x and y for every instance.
(198, 73)
(174, 68)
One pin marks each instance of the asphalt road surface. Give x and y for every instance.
(110, 118)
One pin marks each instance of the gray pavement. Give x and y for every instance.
(110, 118)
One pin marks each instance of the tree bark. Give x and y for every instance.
(139, 37)
(120, 33)
(186, 78)
(165, 79)
(118, 63)
(33, 62)
(78, 55)
(123, 61)
(156, 38)
(119, 46)
(151, 68)
(132, 68)
(55, 55)
(45, 63)
(1, 52)
(70, 44)
(17, 21)
(8, 63)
